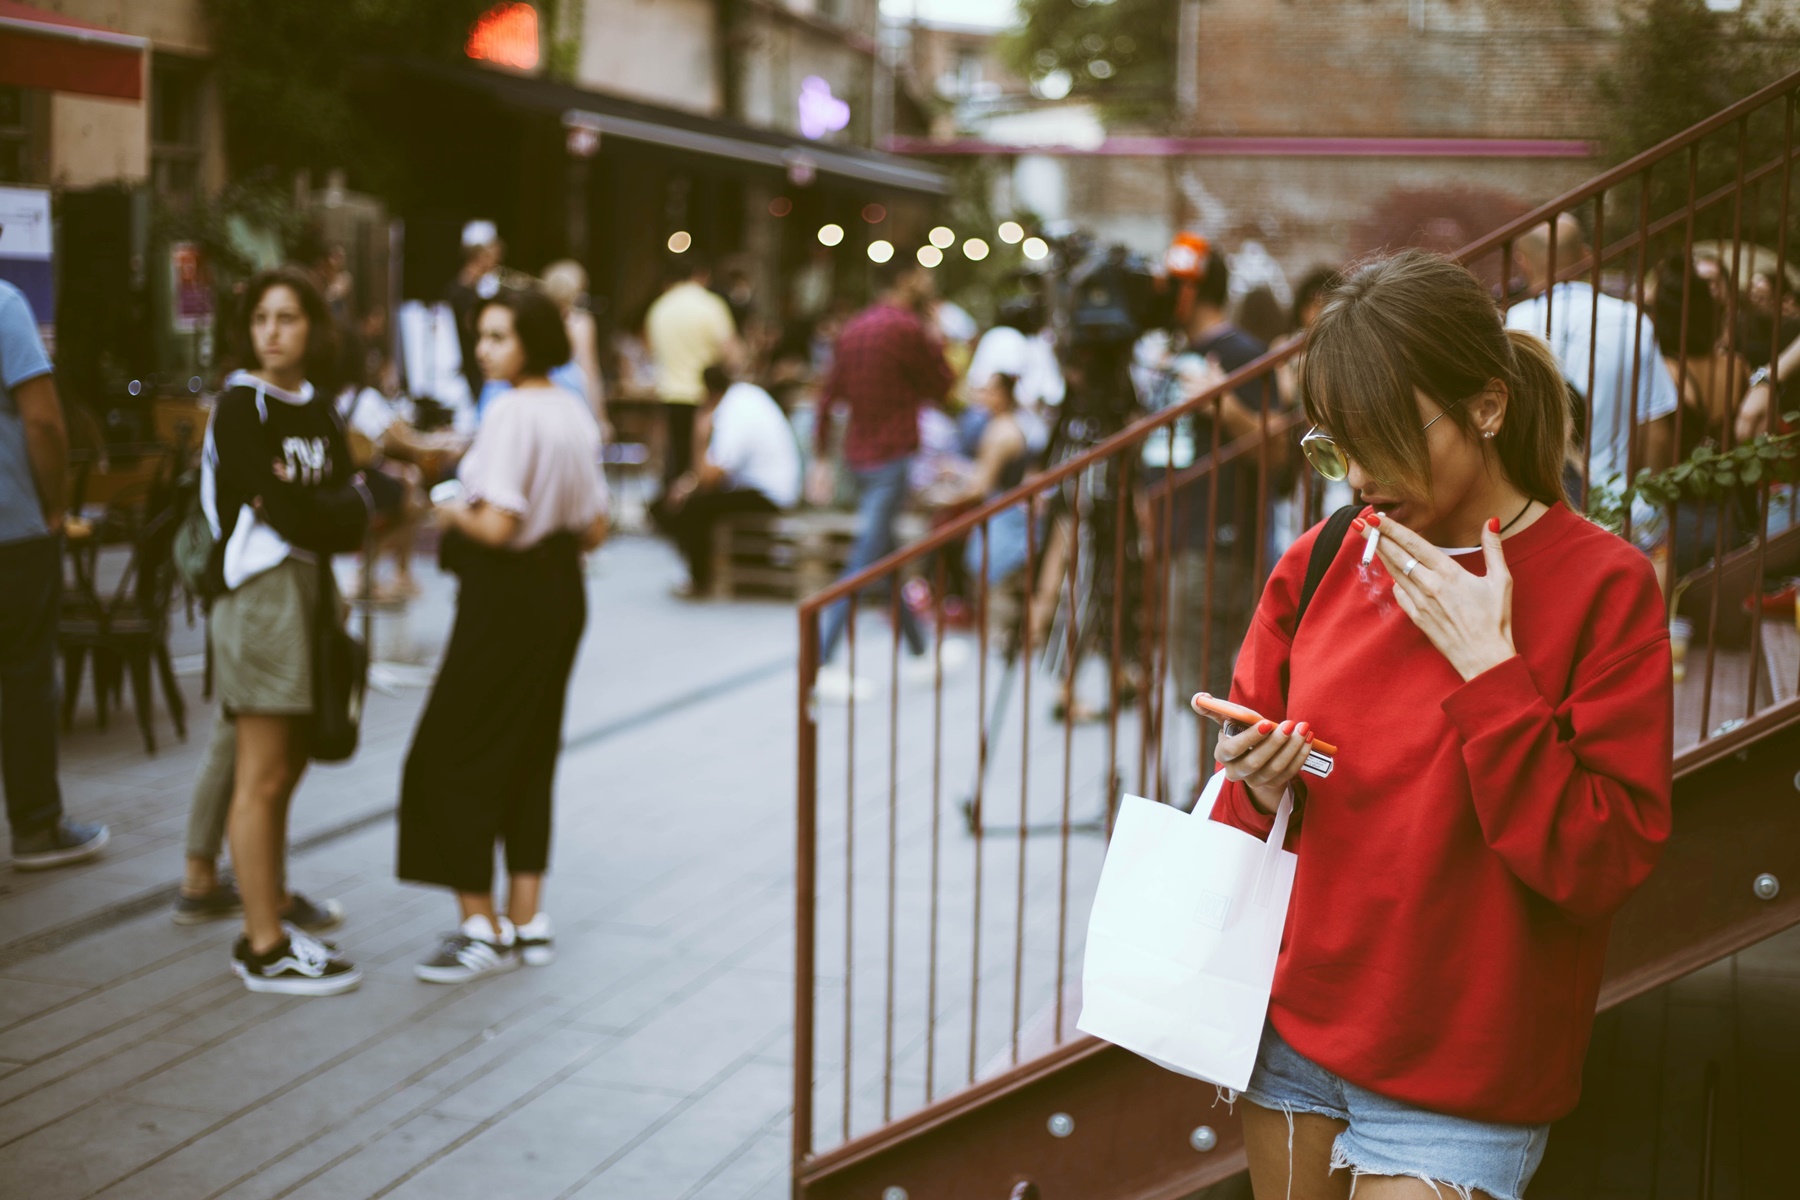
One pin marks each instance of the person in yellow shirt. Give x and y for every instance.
(689, 328)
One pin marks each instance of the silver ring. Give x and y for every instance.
(1407, 570)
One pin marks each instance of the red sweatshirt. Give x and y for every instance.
(1459, 869)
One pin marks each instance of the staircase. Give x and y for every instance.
(950, 837)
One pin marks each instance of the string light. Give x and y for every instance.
(1036, 248)
(680, 241)
(880, 250)
(830, 235)
(1011, 232)
(943, 237)
(930, 256)
(975, 249)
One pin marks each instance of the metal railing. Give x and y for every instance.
(949, 841)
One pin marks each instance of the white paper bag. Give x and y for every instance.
(1183, 937)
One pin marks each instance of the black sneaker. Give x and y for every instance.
(298, 965)
(223, 901)
(62, 844)
(468, 954)
(305, 915)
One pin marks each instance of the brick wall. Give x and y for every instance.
(1423, 68)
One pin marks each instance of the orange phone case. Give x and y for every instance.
(1224, 710)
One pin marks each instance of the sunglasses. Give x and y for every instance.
(1328, 458)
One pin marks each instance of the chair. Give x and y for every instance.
(129, 630)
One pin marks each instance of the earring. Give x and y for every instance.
(1489, 434)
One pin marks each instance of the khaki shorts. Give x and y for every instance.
(262, 642)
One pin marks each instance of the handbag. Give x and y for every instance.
(340, 677)
(1184, 936)
(1186, 926)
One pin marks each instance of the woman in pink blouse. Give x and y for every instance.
(483, 760)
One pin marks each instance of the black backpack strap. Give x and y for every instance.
(1331, 540)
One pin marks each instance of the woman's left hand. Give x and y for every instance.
(1468, 617)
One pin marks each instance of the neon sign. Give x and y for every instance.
(820, 111)
(507, 35)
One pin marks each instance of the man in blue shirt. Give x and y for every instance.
(34, 453)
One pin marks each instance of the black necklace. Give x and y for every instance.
(1517, 519)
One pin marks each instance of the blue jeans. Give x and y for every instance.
(880, 491)
(30, 590)
(1390, 1137)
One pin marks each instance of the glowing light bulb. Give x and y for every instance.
(880, 250)
(942, 237)
(930, 256)
(830, 235)
(1011, 232)
(1036, 249)
(975, 249)
(680, 241)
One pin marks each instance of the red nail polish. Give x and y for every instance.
(1375, 520)
(1287, 727)
(1266, 727)
(1493, 524)
(1359, 524)
(1303, 729)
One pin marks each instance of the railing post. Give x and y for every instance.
(805, 886)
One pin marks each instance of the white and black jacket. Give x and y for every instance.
(322, 508)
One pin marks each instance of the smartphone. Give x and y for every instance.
(1235, 718)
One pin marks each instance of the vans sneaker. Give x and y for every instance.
(471, 952)
(223, 901)
(536, 944)
(63, 844)
(298, 965)
(311, 916)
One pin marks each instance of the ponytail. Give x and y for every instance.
(1534, 439)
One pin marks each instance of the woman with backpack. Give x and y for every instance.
(280, 497)
(1497, 680)
(482, 765)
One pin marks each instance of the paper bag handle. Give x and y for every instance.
(1264, 891)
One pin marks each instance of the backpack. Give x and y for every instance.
(1331, 540)
(194, 545)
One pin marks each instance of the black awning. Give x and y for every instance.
(651, 124)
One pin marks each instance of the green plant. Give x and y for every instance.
(1706, 474)
(1118, 53)
(285, 71)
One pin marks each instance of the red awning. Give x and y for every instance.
(47, 50)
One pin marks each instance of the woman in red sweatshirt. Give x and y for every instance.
(1498, 681)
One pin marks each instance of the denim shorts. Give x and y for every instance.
(1388, 1137)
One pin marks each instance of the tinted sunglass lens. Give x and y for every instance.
(1326, 458)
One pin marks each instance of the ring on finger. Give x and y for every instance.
(1406, 568)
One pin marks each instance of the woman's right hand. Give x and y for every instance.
(1265, 758)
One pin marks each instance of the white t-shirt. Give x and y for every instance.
(367, 412)
(754, 445)
(1576, 315)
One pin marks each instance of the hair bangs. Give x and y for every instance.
(1359, 386)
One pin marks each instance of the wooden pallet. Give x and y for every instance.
(788, 554)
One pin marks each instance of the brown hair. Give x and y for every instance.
(1417, 320)
(323, 365)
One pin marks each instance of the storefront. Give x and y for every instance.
(620, 185)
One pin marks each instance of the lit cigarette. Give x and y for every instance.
(1369, 547)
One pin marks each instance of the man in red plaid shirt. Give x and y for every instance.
(887, 364)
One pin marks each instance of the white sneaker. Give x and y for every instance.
(474, 950)
(923, 668)
(537, 946)
(835, 685)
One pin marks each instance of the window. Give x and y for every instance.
(21, 135)
(176, 94)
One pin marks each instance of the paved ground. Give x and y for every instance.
(652, 1060)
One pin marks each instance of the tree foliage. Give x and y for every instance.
(285, 70)
(1119, 54)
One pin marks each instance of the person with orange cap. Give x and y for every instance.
(1203, 348)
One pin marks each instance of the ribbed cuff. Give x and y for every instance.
(1240, 810)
